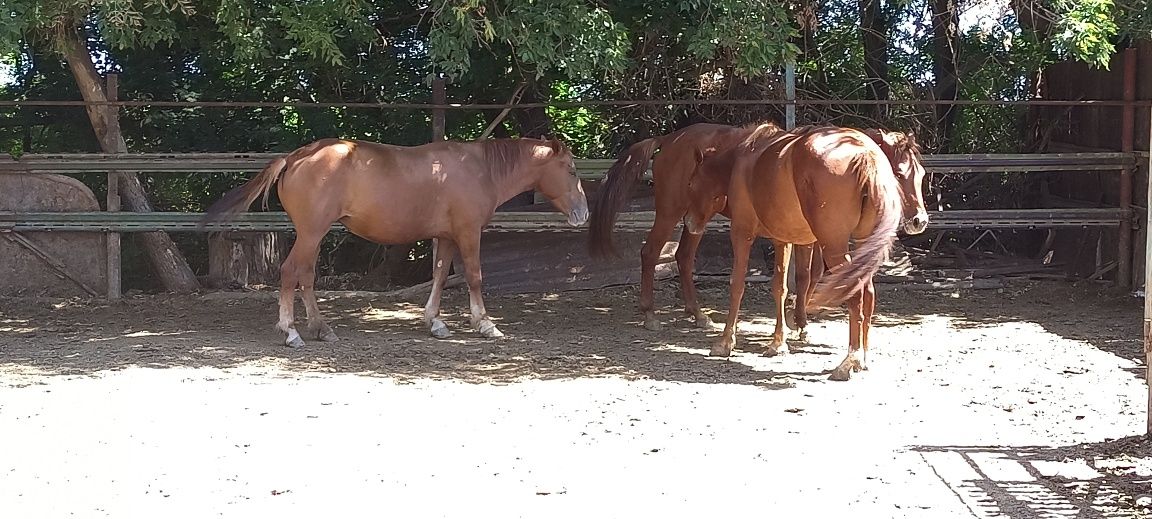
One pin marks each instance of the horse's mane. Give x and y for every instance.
(760, 131)
(502, 156)
(905, 143)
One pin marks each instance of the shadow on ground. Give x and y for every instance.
(1106, 479)
(571, 334)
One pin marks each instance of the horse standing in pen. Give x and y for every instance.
(812, 184)
(672, 167)
(401, 194)
(903, 153)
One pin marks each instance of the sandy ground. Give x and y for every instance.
(1021, 402)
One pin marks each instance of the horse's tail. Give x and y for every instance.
(238, 199)
(618, 184)
(880, 185)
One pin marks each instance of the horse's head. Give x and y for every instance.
(558, 181)
(904, 154)
(707, 189)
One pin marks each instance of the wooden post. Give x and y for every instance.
(1127, 138)
(113, 238)
(438, 97)
(790, 94)
(1148, 280)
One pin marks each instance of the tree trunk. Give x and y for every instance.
(241, 259)
(945, 44)
(808, 18)
(170, 266)
(874, 29)
(533, 122)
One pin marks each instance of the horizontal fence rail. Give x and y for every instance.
(514, 221)
(585, 168)
(115, 222)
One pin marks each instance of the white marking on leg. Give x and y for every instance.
(294, 340)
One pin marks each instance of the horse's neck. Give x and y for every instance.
(512, 183)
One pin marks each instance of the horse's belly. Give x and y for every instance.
(778, 209)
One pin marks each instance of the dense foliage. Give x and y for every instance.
(562, 50)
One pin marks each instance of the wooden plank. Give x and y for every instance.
(585, 168)
(525, 221)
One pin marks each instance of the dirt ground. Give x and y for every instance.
(1021, 402)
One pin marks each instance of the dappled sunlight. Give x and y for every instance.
(140, 334)
(17, 326)
(381, 314)
(18, 329)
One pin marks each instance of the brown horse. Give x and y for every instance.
(903, 153)
(812, 184)
(397, 194)
(671, 170)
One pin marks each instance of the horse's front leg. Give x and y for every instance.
(741, 248)
(470, 254)
(444, 253)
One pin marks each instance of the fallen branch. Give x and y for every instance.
(422, 288)
(504, 113)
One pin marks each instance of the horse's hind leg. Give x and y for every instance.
(298, 269)
(649, 257)
(316, 326)
(445, 253)
(287, 324)
(686, 262)
(779, 345)
(868, 310)
(855, 359)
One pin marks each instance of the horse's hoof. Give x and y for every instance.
(721, 349)
(489, 330)
(802, 336)
(704, 323)
(777, 350)
(294, 342)
(840, 375)
(327, 336)
(652, 325)
(440, 330)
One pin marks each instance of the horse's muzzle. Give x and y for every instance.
(917, 224)
(578, 216)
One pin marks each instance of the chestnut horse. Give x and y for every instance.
(401, 194)
(808, 185)
(671, 170)
(903, 153)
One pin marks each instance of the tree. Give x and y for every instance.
(945, 49)
(875, 26)
(76, 28)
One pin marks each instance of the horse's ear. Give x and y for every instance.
(555, 144)
(876, 134)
